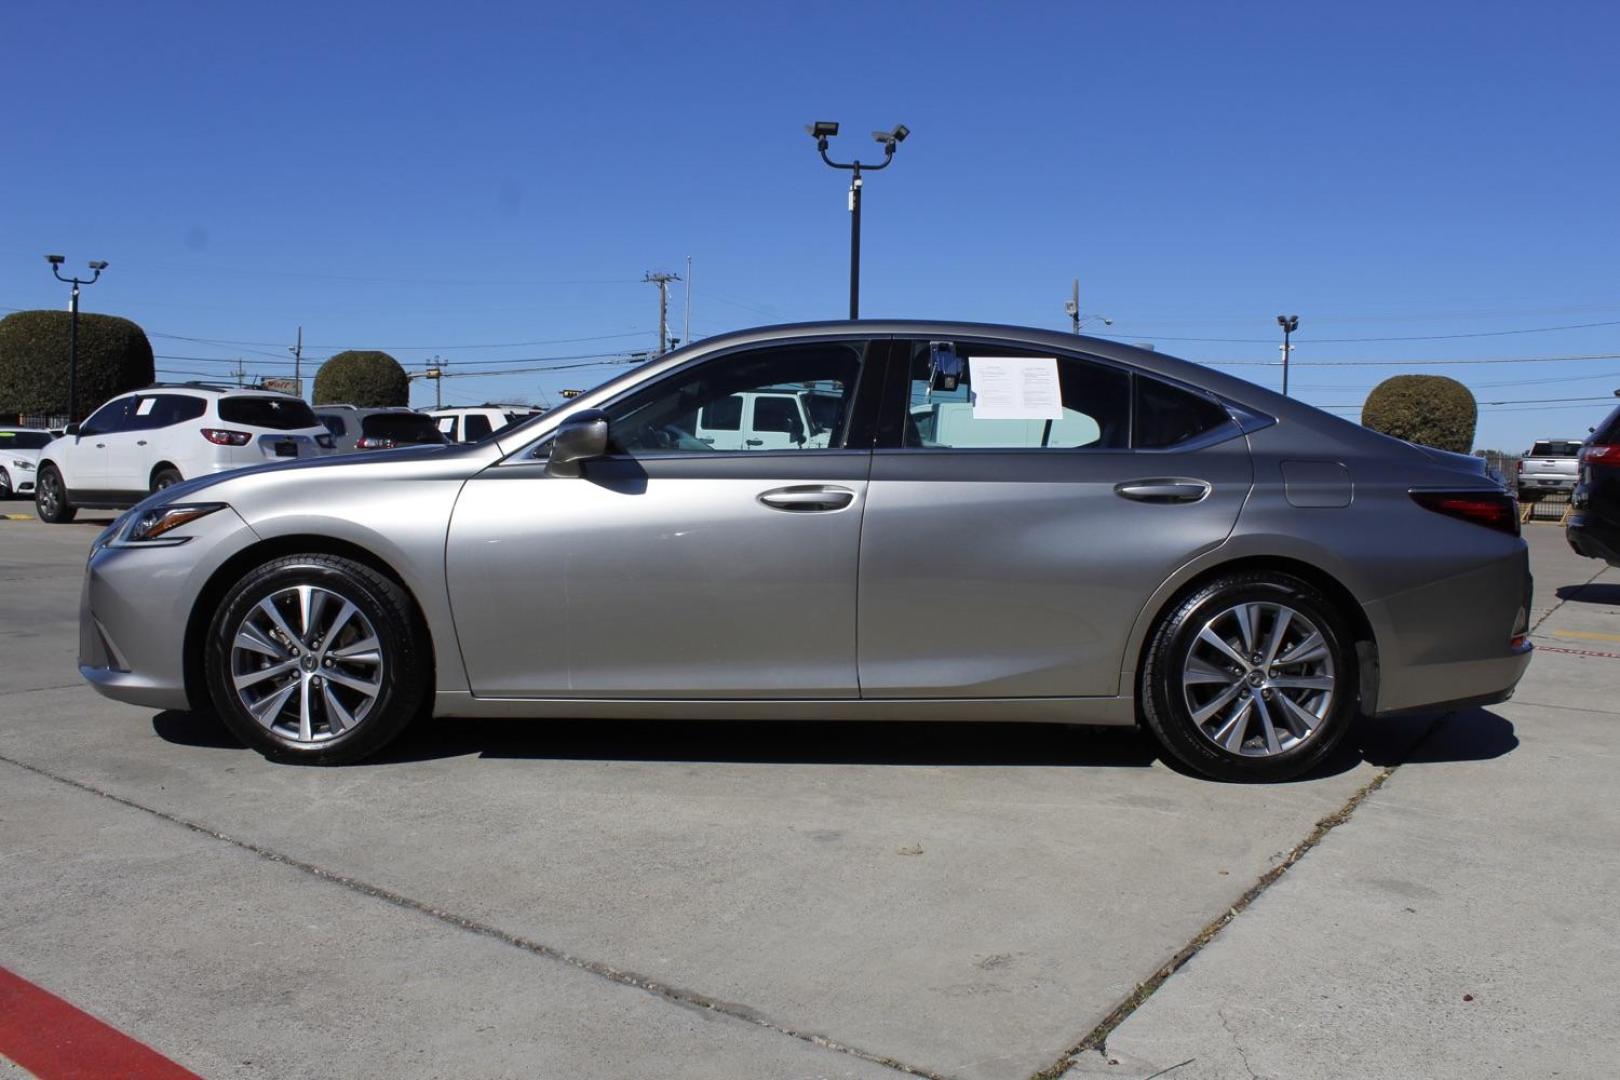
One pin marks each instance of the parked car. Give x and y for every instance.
(19, 457)
(1593, 528)
(775, 418)
(1549, 465)
(354, 428)
(144, 441)
(470, 423)
(1189, 557)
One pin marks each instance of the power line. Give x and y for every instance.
(1410, 363)
(1413, 337)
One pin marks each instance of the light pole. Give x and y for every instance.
(1289, 324)
(1071, 307)
(56, 262)
(821, 131)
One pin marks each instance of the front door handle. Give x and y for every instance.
(808, 498)
(1172, 489)
(753, 442)
(140, 442)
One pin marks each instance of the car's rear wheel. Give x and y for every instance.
(1251, 677)
(5, 485)
(51, 497)
(166, 477)
(317, 659)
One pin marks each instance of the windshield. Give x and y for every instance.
(24, 440)
(402, 428)
(275, 413)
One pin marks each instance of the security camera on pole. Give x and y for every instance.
(56, 262)
(1289, 324)
(821, 131)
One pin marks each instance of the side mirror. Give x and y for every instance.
(580, 438)
(71, 429)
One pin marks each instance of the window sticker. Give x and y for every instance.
(1015, 388)
(145, 406)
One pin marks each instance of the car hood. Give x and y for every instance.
(452, 460)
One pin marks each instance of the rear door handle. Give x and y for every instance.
(808, 498)
(140, 442)
(1163, 490)
(752, 442)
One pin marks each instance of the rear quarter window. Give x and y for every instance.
(1609, 430)
(277, 414)
(1168, 416)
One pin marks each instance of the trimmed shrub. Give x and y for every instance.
(114, 357)
(371, 380)
(1431, 410)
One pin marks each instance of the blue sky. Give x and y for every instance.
(435, 178)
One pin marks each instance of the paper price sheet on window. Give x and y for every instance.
(1015, 388)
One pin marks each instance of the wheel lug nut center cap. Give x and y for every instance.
(1256, 678)
(308, 662)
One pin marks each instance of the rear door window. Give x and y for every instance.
(476, 426)
(275, 413)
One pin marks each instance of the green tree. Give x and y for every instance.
(369, 379)
(114, 356)
(1430, 410)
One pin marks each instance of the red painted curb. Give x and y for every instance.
(55, 1041)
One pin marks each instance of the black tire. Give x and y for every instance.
(166, 477)
(403, 686)
(1165, 707)
(6, 491)
(51, 497)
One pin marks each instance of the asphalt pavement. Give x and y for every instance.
(615, 899)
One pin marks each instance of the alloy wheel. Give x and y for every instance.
(306, 664)
(1258, 679)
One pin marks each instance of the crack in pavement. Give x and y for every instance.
(1097, 1039)
(1566, 599)
(1221, 1013)
(655, 987)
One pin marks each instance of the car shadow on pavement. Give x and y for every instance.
(1591, 593)
(1471, 735)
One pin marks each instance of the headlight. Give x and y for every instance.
(25, 466)
(153, 526)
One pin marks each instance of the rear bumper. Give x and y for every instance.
(1593, 537)
(1456, 641)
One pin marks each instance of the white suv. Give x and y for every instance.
(142, 441)
(471, 423)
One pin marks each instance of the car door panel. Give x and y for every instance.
(664, 578)
(1010, 574)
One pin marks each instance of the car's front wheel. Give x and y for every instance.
(51, 497)
(5, 485)
(1251, 677)
(317, 658)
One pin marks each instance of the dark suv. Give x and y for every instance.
(1594, 520)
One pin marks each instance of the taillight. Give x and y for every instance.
(1492, 509)
(221, 437)
(1607, 455)
(373, 442)
(325, 442)
(1520, 466)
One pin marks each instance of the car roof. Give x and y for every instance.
(219, 390)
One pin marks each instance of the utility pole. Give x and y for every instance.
(1289, 324)
(1073, 306)
(662, 279)
(686, 325)
(241, 371)
(298, 362)
(436, 373)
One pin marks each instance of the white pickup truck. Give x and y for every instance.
(1549, 465)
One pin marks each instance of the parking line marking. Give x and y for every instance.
(56, 1041)
(1579, 652)
(1586, 635)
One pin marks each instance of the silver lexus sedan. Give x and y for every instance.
(852, 520)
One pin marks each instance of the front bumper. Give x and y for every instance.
(135, 609)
